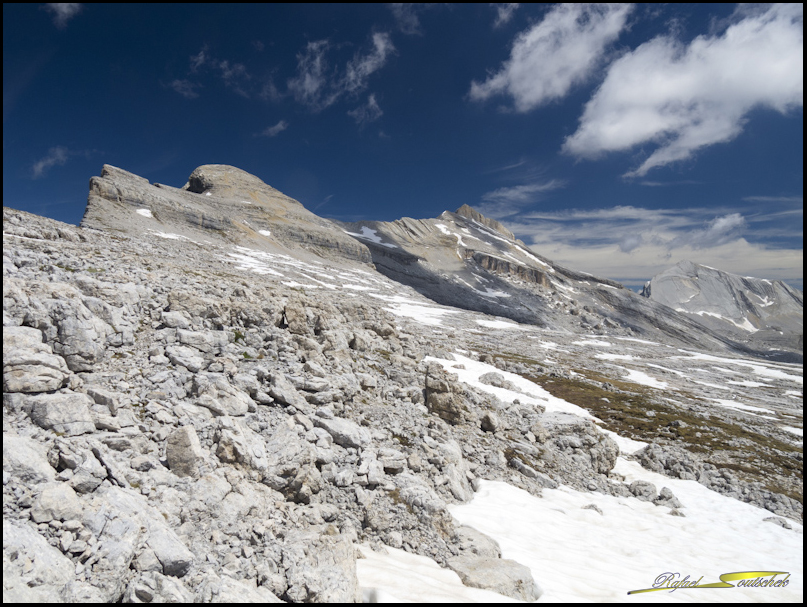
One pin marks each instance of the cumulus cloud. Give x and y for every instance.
(551, 57)
(318, 86)
(504, 13)
(63, 12)
(685, 97)
(367, 113)
(272, 131)
(56, 156)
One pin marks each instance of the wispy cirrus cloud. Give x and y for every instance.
(407, 17)
(552, 56)
(63, 12)
(632, 244)
(504, 13)
(234, 75)
(509, 200)
(56, 156)
(795, 199)
(274, 130)
(318, 86)
(369, 112)
(186, 88)
(684, 97)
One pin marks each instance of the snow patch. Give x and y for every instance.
(372, 236)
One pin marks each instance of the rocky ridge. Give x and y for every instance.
(190, 418)
(763, 313)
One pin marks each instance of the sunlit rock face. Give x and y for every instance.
(766, 314)
(219, 203)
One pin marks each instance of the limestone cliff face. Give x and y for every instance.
(469, 261)
(218, 202)
(758, 310)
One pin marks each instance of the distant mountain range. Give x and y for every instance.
(461, 259)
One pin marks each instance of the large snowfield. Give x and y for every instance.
(576, 554)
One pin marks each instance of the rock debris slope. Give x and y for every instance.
(218, 398)
(769, 315)
(466, 260)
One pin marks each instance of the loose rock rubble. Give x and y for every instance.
(176, 430)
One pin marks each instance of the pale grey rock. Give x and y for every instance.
(33, 570)
(214, 392)
(490, 421)
(504, 576)
(29, 365)
(283, 391)
(204, 341)
(175, 320)
(26, 460)
(119, 516)
(153, 587)
(185, 357)
(476, 542)
(445, 398)
(344, 432)
(643, 490)
(320, 568)
(414, 492)
(225, 589)
(238, 443)
(183, 452)
(65, 413)
(57, 501)
(667, 498)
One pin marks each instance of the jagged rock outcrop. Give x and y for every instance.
(219, 202)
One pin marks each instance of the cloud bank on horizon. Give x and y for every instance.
(617, 139)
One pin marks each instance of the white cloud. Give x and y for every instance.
(186, 88)
(358, 70)
(234, 75)
(552, 56)
(406, 16)
(199, 59)
(367, 113)
(275, 130)
(56, 156)
(504, 13)
(684, 98)
(795, 199)
(63, 12)
(522, 194)
(718, 231)
(318, 87)
(633, 244)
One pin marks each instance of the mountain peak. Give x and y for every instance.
(473, 214)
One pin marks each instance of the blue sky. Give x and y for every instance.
(614, 139)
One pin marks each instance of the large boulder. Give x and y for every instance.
(29, 365)
(504, 576)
